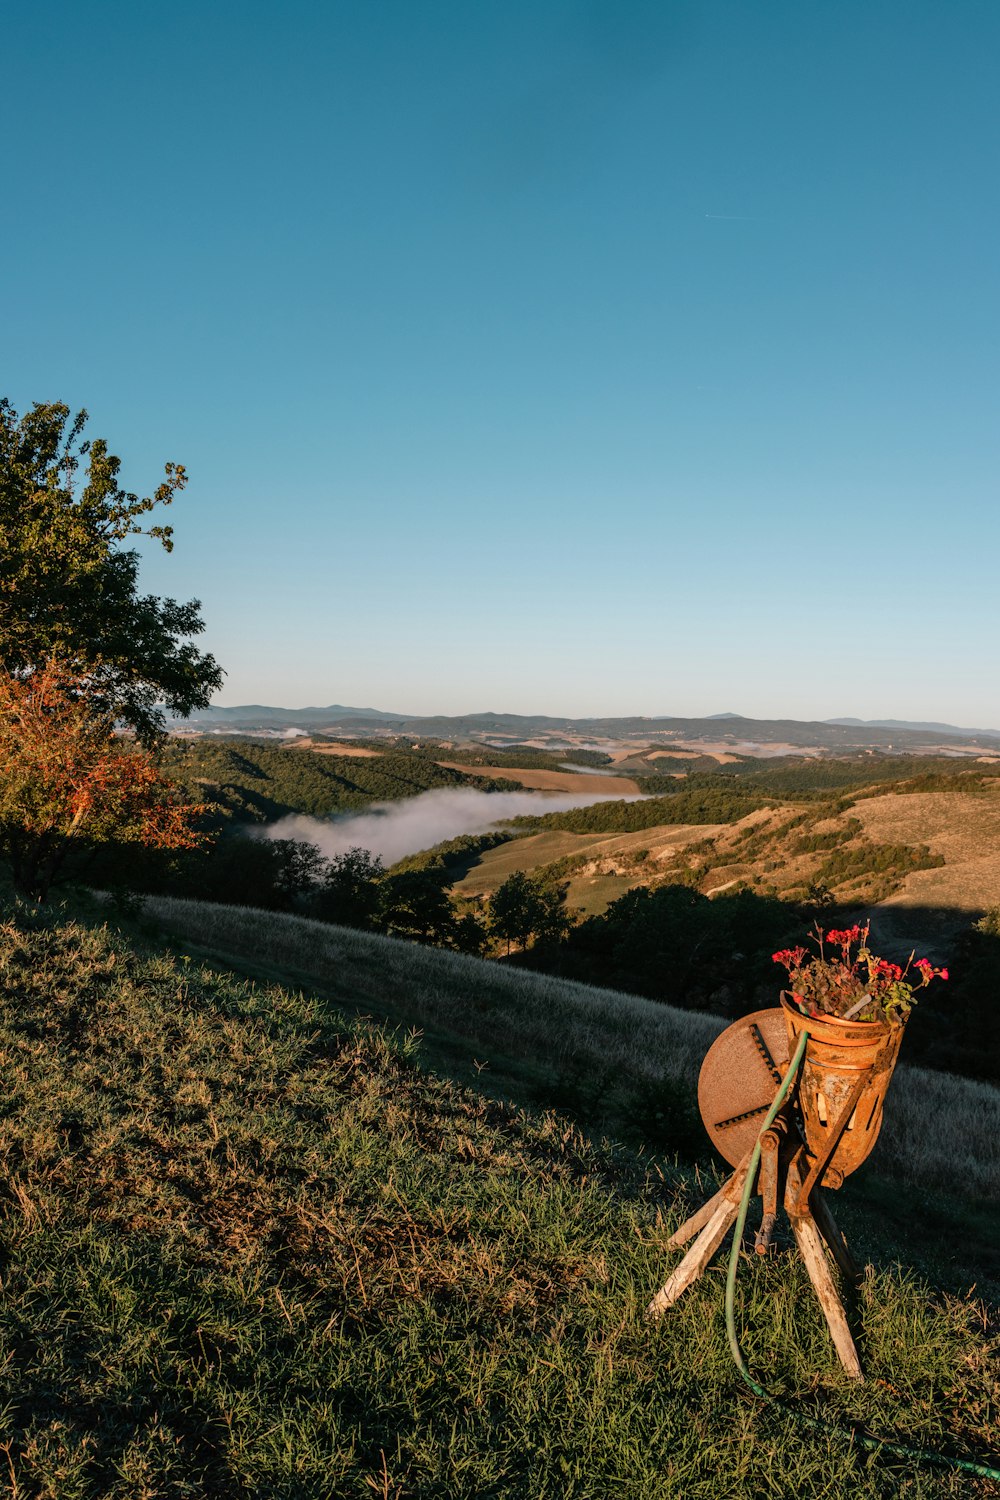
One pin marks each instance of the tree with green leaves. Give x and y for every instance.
(416, 905)
(525, 907)
(69, 589)
(351, 892)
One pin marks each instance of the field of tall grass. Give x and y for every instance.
(940, 1130)
(251, 1248)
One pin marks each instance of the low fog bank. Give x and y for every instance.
(394, 829)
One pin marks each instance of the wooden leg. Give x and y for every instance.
(729, 1192)
(811, 1248)
(829, 1229)
(697, 1221)
(697, 1258)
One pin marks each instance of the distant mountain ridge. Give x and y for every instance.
(735, 729)
(949, 729)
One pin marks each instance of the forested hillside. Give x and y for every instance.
(711, 804)
(250, 782)
(808, 778)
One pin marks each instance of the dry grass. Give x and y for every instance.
(251, 1249)
(717, 755)
(359, 752)
(505, 1008)
(941, 1132)
(964, 829)
(546, 848)
(552, 781)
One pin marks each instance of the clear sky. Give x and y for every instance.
(579, 356)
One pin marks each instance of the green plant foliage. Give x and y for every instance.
(863, 858)
(250, 1249)
(350, 892)
(453, 857)
(415, 904)
(815, 843)
(596, 758)
(655, 771)
(528, 907)
(715, 804)
(252, 782)
(810, 779)
(68, 590)
(512, 757)
(674, 944)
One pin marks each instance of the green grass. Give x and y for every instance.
(553, 1030)
(250, 1247)
(529, 852)
(591, 895)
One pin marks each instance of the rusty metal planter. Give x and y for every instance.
(842, 1087)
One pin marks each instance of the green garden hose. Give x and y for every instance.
(866, 1439)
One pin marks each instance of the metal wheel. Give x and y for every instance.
(739, 1079)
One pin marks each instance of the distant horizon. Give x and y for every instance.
(848, 720)
(607, 354)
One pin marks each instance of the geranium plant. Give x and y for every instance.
(845, 979)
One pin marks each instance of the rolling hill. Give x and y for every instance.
(732, 728)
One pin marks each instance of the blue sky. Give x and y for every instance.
(535, 356)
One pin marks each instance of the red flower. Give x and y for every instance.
(848, 936)
(790, 957)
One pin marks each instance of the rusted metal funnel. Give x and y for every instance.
(842, 1087)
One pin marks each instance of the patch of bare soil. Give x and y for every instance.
(552, 781)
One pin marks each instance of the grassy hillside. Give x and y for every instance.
(942, 845)
(250, 1248)
(599, 1050)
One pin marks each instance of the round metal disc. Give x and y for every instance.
(739, 1079)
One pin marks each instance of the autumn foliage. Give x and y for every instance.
(67, 781)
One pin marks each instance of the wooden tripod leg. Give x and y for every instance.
(810, 1245)
(697, 1258)
(830, 1230)
(729, 1192)
(698, 1220)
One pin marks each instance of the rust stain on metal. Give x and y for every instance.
(738, 1079)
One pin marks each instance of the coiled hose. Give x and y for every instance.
(857, 1434)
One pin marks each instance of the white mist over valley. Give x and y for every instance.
(392, 830)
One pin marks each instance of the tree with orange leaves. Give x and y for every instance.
(67, 781)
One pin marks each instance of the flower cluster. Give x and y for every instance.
(852, 982)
